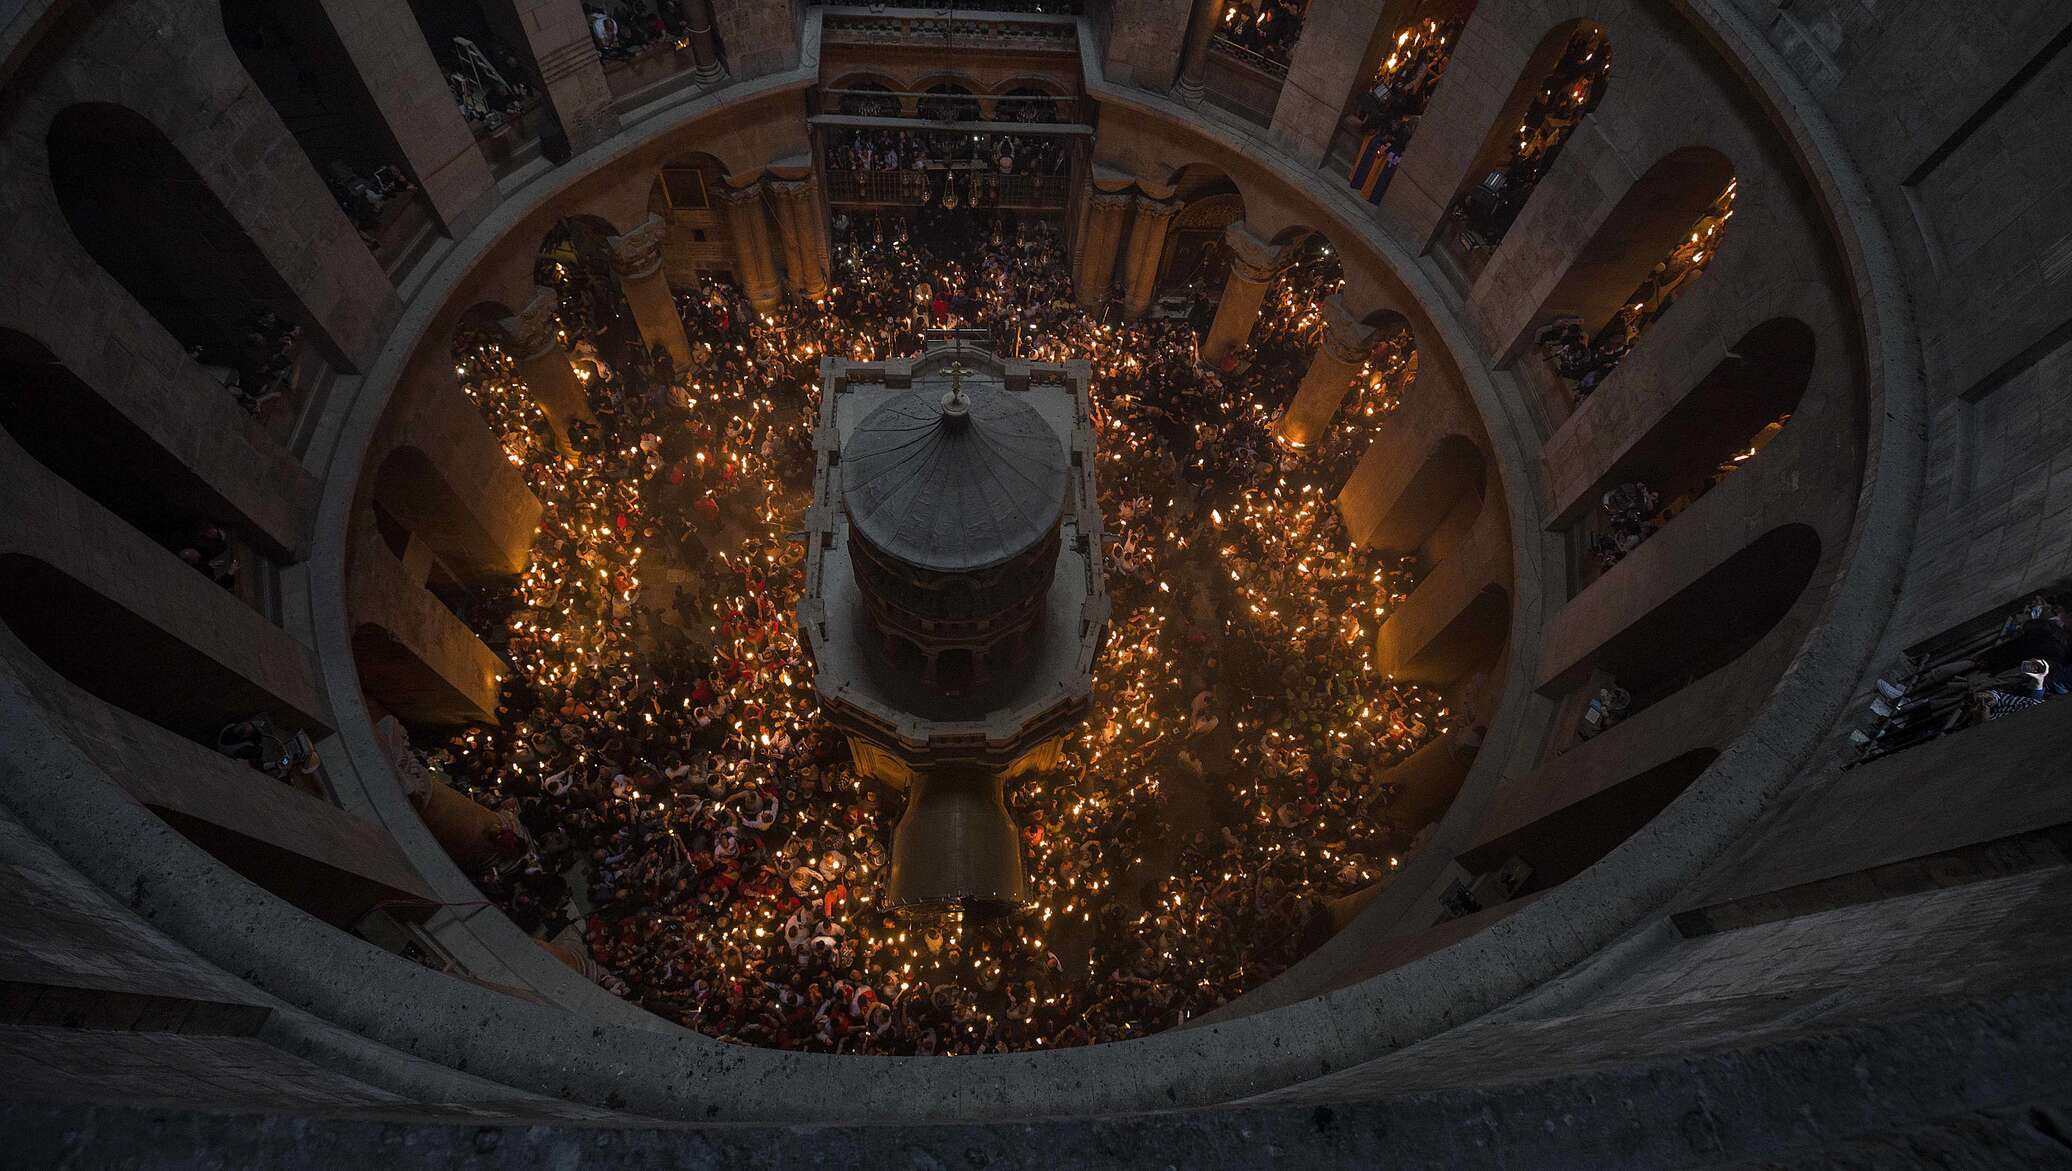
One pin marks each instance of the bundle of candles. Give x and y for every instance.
(694, 822)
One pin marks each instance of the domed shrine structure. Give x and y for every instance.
(954, 601)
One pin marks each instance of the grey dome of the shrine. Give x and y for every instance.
(951, 493)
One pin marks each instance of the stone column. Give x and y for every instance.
(465, 828)
(1103, 236)
(704, 47)
(1345, 348)
(544, 365)
(555, 35)
(1147, 249)
(1194, 63)
(1253, 263)
(388, 49)
(746, 223)
(637, 259)
(804, 233)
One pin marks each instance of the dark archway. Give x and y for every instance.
(1673, 210)
(1562, 82)
(296, 58)
(1569, 840)
(68, 427)
(1723, 421)
(1714, 620)
(153, 223)
(128, 661)
(1406, 60)
(1452, 480)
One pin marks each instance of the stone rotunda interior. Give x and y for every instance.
(1470, 640)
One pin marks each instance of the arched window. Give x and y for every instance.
(1712, 621)
(132, 662)
(1562, 83)
(865, 99)
(1662, 235)
(295, 56)
(96, 447)
(153, 223)
(482, 51)
(1562, 843)
(1715, 429)
(1414, 44)
(948, 101)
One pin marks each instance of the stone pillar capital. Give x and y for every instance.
(1252, 257)
(1111, 202)
(638, 253)
(790, 190)
(1157, 209)
(532, 328)
(736, 196)
(1345, 339)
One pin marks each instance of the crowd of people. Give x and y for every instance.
(255, 362)
(1389, 110)
(696, 826)
(1573, 89)
(633, 27)
(860, 149)
(1973, 676)
(1584, 361)
(1264, 28)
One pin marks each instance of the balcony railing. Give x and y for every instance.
(927, 28)
(1243, 82)
(974, 188)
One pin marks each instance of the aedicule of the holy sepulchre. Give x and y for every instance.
(954, 597)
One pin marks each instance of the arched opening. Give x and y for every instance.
(1661, 236)
(1249, 55)
(1466, 646)
(1032, 102)
(70, 429)
(1712, 621)
(1197, 255)
(1439, 504)
(295, 56)
(412, 499)
(949, 101)
(698, 242)
(1377, 390)
(1413, 45)
(154, 224)
(1714, 430)
(488, 66)
(1556, 847)
(1291, 323)
(1562, 82)
(399, 682)
(863, 98)
(129, 661)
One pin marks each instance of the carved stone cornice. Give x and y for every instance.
(790, 190)
(638, 253)
(532, 328)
